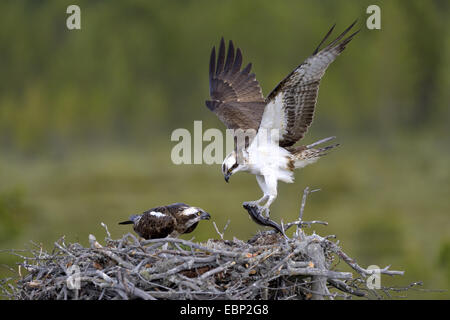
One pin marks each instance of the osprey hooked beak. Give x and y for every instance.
(227, 176)
(205, 215)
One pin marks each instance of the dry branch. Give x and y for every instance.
(268, 266)
(218, 269)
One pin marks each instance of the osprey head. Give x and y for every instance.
(231, 165)
(195, 213)
(188, 218)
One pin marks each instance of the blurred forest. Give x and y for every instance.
(86, 118)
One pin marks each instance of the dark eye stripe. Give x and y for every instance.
(234, 166)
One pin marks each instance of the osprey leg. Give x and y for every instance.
(262, 185)
(270, 191)
(262, 199)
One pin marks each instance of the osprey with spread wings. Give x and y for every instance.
(279, 121)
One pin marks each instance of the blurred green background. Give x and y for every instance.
(86, 118)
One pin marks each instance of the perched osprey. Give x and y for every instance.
(278, 121)
(171, 220)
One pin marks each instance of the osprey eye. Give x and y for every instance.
(198, 213)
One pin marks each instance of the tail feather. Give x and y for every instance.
(309, 146)
(126, 222)
(321, 152)
(305, 155)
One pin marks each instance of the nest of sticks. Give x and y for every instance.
(268, 266)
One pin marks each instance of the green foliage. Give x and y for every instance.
(381, 237)
(14, 214)
(444, 259)
(139, 68)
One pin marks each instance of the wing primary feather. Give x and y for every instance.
(247, 69)
(237, 62)
(221, 58)
(230, 57)
(340, 36)
(324, 39)
(212, 69)
(347, 40)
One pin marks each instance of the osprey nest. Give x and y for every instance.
(268, 266)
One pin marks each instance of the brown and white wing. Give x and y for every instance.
(155, 223)
(236, 96)
(290, 106)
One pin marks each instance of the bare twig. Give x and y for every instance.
(221, 234)
(306, 192)
(266, 267)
